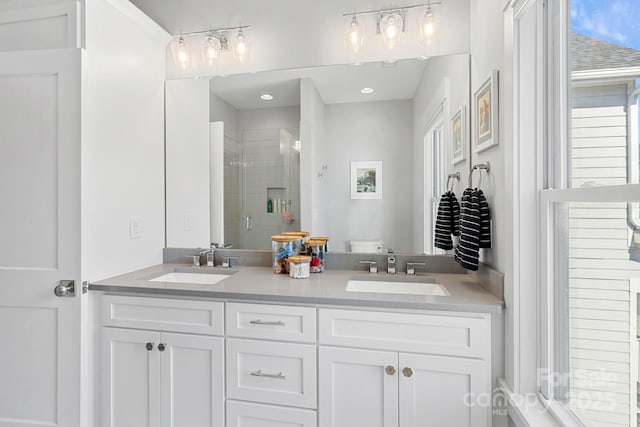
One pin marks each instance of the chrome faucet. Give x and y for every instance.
(391, 262)
(226, 262)
(411, 267)
(373, 266)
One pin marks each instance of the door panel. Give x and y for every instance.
(130, 378)
(192, 378)
(355, 389)
(40, 235)
(440, 391)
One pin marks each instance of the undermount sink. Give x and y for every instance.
(422, 286)
(198, 278)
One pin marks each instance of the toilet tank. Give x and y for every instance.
(366, 246)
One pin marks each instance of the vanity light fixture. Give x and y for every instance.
(266, 97)
(355, 36)
(366, 90)
(428, 26)
(390, 24)
(214, 43)
(180, 52)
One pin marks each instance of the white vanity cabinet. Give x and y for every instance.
(154, 377)
(411, 370)
(271, 365)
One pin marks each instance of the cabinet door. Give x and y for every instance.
(443, 391)
(130, 378)
(192, 381)
(358, 388)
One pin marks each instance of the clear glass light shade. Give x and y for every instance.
(355, 36)
(241, 47)
(181, 53)
(391, 28)
(428, 28)
(210, 50)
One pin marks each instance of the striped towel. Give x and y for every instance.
(485, 221)
(467, 250)
(447, 221)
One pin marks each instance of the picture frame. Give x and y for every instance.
(366, 180)
(459, 136)
(486, 113)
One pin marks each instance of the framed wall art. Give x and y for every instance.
(459, 136)
(366, 180)
(485, 124)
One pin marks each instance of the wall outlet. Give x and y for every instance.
(187, 222)
(135, 231)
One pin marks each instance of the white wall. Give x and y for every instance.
(187, 168)
(367, 131)
(123, 139)
(444, 78)
(312, 138)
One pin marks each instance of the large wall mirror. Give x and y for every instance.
(252, 155)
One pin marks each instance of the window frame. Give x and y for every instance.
(556, 189)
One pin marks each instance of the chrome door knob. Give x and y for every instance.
(66, 288)
(407, 372)
(390, 370)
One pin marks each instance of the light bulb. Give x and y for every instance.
(355, 37)
(428, 27)
(391, 27)
(210, 49)
(242, 47)
(180, 51)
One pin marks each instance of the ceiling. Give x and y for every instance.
(305, 33)
(336, 84)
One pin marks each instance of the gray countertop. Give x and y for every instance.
(261, 284)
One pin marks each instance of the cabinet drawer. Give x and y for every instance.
(159, 314)
(458, 334)
(270, 372)
(266, 321)
(242, 414)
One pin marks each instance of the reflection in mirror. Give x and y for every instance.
(291, 153)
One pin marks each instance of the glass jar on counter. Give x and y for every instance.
(282, 247)
(315, 249)
(299, 266)
(323, 239)
(303, 236)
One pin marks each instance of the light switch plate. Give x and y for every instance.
(187, 222)
(134, 227)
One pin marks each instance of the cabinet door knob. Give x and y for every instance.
(407, 372)
(161, 347)
(390, 370)
(149, 346)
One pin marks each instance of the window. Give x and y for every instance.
(589, 216)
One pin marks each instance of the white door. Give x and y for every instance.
(440, 391)
(192, 381)
(130, 378)
(40, 371)
(357, 388)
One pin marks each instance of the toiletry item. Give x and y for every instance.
(284, 206)
(299, 266)
(210, 258)
(269, 205)
(303, 236)
(277, 206)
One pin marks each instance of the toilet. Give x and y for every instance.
(366, 246)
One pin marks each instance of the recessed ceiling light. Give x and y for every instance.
(266, 97)
(366, 90)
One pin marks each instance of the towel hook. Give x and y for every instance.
(452, 175)
(479, 167)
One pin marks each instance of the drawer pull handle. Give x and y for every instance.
(390, 370)
(407, 372)
(277, 376)
(266, 322)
